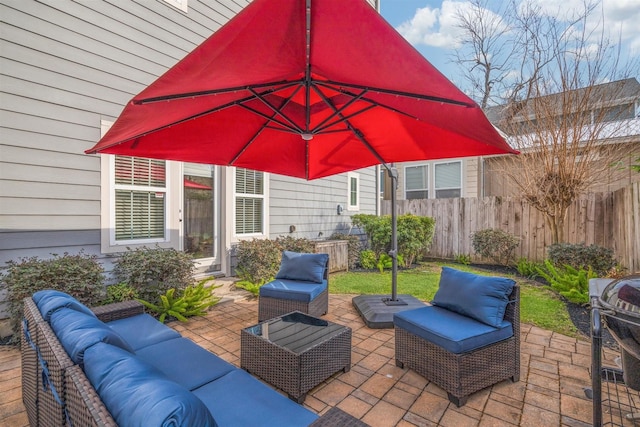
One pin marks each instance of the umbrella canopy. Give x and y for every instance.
(304, 88)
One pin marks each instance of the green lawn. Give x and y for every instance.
(538, 306)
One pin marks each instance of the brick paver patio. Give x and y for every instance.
(554, 373)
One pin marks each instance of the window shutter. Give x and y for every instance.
(139, 211)
(249, 210)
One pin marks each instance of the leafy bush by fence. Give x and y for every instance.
(415, 234)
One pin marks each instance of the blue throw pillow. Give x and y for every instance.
(78, 331)
(50, 300)
(302, 266)
(138, 395)
(482, 298)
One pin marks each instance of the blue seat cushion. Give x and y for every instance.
(293, 290)
(137, 394)
(77, 331)
(237, 399)
(185, 362)
(303, 266)
(483, 298)
(142, 330)
(452, 331)
(50, 300)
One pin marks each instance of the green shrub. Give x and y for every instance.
(78, 275)
(152, 272)
(254, 288)
(580, 256)
(463, 259)
(354, 246)
(528, 269)
(377, 229)
(120, 292)
(415, 234)
(288, 243)
(368, 259)
(571, 283)
(258, 260)
(495, 244)
(385, 262)
(182, 304)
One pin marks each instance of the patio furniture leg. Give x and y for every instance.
(458, 401)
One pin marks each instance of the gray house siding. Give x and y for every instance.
(64, 66)
(311, 206)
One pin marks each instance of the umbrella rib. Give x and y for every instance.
(293, 129)
(283, 83)
(278, 110)
(355, 131)
(320, 126)
(342, 118)
(331, 84)
(338, 112)
(239, 102)
(307, 70)
(371, 101)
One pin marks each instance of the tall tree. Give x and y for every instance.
(555, 107)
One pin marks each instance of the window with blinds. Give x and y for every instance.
(448, 180)
(140, 198)
(353, 184)
(249, 201)
(416, 182)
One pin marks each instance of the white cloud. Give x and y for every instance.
(433, 26)
(438, 27)
(619, 18)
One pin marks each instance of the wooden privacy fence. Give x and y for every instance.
(610, 219)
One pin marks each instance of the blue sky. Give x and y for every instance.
(429, 25)
(398, 12)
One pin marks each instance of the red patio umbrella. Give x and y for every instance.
(195, 185)
(304, 88)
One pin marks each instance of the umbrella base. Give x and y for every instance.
(397, 301)
(377, 310)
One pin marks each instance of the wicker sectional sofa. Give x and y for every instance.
(115, 365)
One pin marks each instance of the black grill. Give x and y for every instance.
(620, 303)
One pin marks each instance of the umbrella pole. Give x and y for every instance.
(393, 253)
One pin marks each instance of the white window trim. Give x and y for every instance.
(351, 207)
(265, 204)
(112, 206)
(108, 244)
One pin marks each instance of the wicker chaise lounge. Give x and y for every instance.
(446, 343)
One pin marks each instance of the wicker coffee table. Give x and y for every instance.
(295, 352)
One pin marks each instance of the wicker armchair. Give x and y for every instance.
(297, 287)
(463, 373)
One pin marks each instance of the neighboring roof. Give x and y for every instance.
(611, 93)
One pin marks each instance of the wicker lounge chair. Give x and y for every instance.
(474, 356)
(300, 285)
